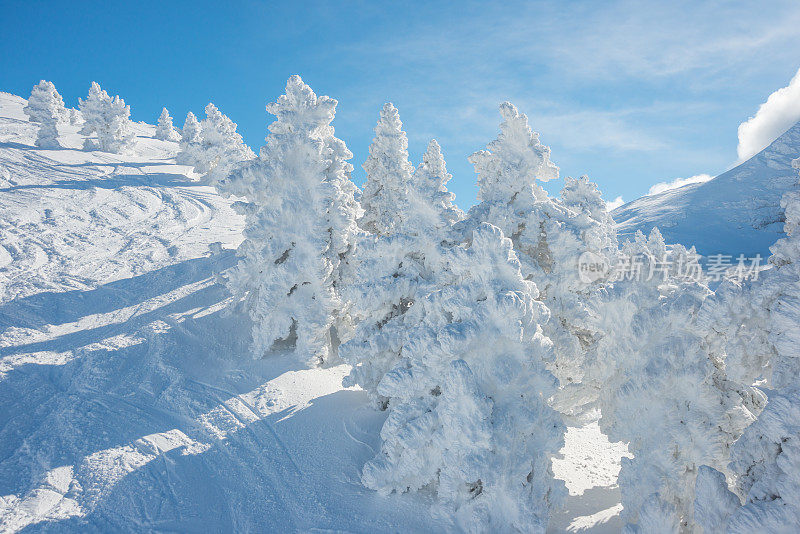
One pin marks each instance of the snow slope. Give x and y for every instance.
(128, 399)
(738, 212)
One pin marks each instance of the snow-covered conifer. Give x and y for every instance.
(190, 141)
(468, 413)
(164, 129)
(766, 465)
(662, 393)
(221, 147)
(74, 116)
(107, 117)
(512, 162)
(388, 175)
(391, 272)
(430, 207)
(46, 107)
(549, 236)
(300, 215)
(765, 461)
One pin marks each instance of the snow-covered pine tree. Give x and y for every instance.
(388, 175)
(594, 224)
(46, 107)
(765, 461)
(300, 218)
(221, 147)
(549, 236)
(390, 272)
(191, 140)
(468, 413)
(662, 393)
(164, 129)
(107, 117)
(430, 208)
(74, 117)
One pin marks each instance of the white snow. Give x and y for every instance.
(129, 397)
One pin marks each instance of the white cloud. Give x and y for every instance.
(678, 182)
(614, 204)
(592, 130)
(775, 116)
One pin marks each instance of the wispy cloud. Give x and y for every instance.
(624, 91)
(656, 40)
(779, 113)
(591, 129)
(678, 182)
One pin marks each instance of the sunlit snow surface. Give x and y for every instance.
(128, 398)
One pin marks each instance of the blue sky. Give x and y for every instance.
(630, 93)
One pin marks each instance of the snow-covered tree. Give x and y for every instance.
(766, 466)
(107, 117)
(549, 236)
(765, 461)
(468, 413)
(164, 129)
(388, 175)
(300, 218)
(191, 140)
(430, 208)
(46, 107)
(221, 147)
(390, 272)
(661, 391)
(74, 117)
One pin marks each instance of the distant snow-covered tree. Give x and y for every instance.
(74, 116)
(430, 208)
(190, 142)
(393, 271)
(549, 236)
(221, 147)
(388, 175)
(164, 129)
(46, 107)
(300, 218)
(467, 400)
(107, 117)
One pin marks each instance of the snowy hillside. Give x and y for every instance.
(129, 398)
(738, 212)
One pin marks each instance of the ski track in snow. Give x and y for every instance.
(129, 399)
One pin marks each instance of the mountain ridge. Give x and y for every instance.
(736, 212)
